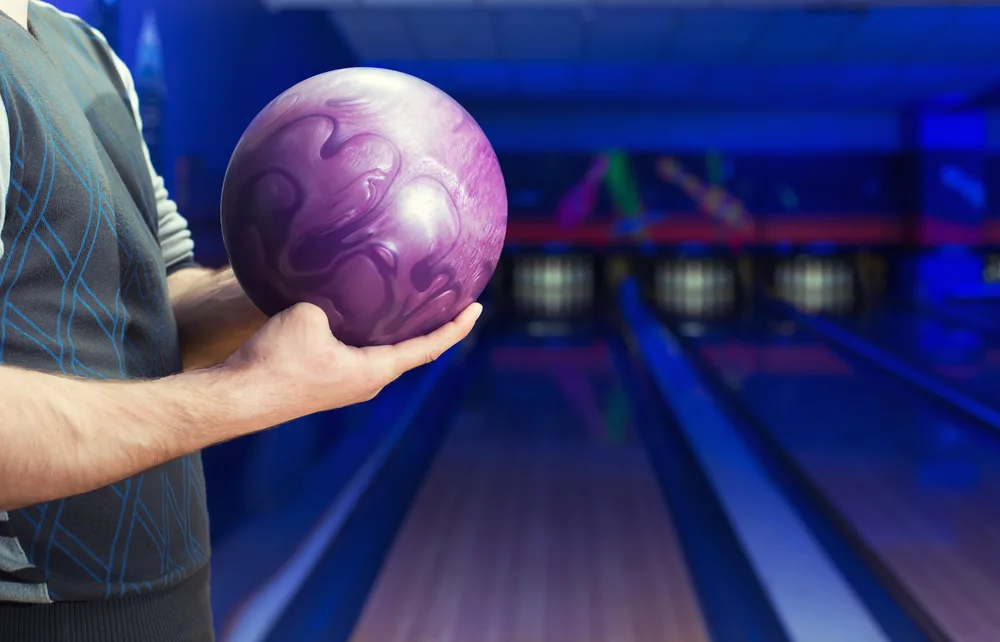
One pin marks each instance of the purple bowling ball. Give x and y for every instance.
(373, 195)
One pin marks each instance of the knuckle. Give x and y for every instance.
(309, 314)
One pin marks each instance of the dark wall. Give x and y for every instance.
(767, 184)
(224, 60)
(518, 127)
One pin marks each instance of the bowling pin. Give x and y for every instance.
(543, 285)
(717, 281)
(799, 283)
(575, 283)
(520, 284)
(555, 277)
(994, 269)
(687, 305)
(664, 274)
(525, 282)
(812, 280)
(579, 283)
(804, 286)
(825, 289)
(850, 291)
(699, 288)
(707, 283)
(659, 284)
(564, 284)
(824, 286)
(696, 289)
(667, 271)
(515, 285)
(684, 278)
(728, 293)
(826, 283)
(551, 278)
(842, 287)
(569, 285)
(716, 291)
(788, 281)
(834, 277)
(798, 268)
(711, 295)
(677, 300)
(702, 285)
(837, 286)
(819, 284)
(558, 280)
(673, 284)
(550, 293)
(529, 280)
(588, 283)
(572, 284)
(537, 279)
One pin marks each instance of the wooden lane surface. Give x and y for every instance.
(520, 538)
(921, 489)
(942, 544)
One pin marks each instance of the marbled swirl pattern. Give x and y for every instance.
(371, 194)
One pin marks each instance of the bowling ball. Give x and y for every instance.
(371, 194)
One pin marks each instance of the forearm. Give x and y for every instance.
(61, 437)
(214, 316)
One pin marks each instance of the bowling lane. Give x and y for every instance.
(919, 485)
(967, 357)
(541, 518)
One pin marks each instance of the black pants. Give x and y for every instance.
(181, 613)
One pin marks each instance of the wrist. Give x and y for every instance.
(218, 403)
(248, 396)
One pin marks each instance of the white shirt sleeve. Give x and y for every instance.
(174, 236)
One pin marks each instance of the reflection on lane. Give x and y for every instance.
(983, 314)
(920, 486)
(540, 519)
(967, 357)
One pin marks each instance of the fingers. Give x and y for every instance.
(422, 350)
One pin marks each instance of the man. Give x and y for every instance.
(120, 358)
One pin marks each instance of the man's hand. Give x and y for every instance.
(297, 359)
(214, 315)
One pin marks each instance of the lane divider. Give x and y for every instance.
(257, 617)
(813, 601)
(896, 366)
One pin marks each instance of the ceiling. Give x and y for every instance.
(578, 51)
